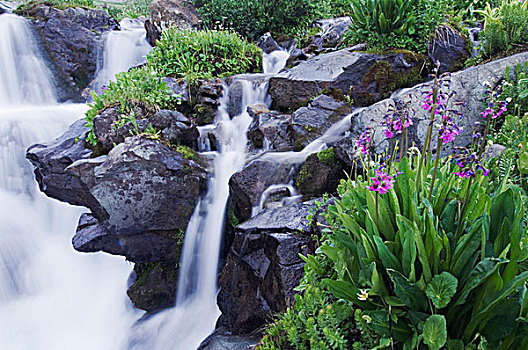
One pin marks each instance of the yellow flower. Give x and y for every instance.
(363, 294)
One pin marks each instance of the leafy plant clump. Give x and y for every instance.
(60, 4)
(252, 18)
(205, 54)
(127, 9)
(505, 27)
(430, 252)
(401, 24)
(139, 86)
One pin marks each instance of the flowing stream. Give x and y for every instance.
(51, 297)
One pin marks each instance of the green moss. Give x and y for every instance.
(304, 176)
(327, 156)
(233, 220)
(187, 152)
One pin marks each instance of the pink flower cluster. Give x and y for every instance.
(382, 182)
(363, 143)
(491, 112)
(397, 119)
(469, 164)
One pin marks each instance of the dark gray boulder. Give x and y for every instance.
(450, 48)
(146, 191)
(170, 13)
(267, 43)
(247, 185)
(365, 77)
(222, 340)
(71, 39)
(154, 285)
(51, 160)
(308, 123)
(269, 131)
(175, 127)
(264, 267)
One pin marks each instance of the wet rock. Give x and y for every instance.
(208, 99)
(71, 39)
(270, 131)
(155, 284)
(264, 267)
(331, 35)
(467, 83)
(267, 43)
(51, 160)
(308, 123)
(170, 13)
(320, 174)
(222, 340)
(450, 48)
(144, 195)
(365, 77)
(175, 127)
(247, 185)
(236, 91)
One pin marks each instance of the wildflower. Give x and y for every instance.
(363, 143)
(448, 131)
(104, 88)
(363, 294)
(469, 164)
(382, 182)
(366, 318)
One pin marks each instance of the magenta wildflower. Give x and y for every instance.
(363, 143)
(469, 164)
(382, 182)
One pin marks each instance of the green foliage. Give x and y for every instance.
(252, 18)
(511, 130)
(505, 27)
(417, 267)
(127, 9)
(203, 54)
(139, 86)
(465, 9)
(60, 4)
(327, 156)
(187, 152)
(402, 24)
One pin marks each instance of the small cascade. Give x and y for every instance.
(195, 314)
(51, 297)
(24, 77)
(122, 50)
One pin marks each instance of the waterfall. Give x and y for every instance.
(195, 314)
(122, 49)
(24, 77)
(51, 297)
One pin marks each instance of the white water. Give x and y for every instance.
(122, 49)
(18, 49)
(195, 314)
(51, 297)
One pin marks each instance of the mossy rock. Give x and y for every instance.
(320, 173)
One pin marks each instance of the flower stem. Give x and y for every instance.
(438, 149)
(464, 207)
(377, 213)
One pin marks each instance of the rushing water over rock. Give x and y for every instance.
(196, 312)
(122, 49)
(24, 77)
(51, 297)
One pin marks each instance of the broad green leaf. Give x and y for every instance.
(386, 227)
(435, 332)
(409, 293)
(387, 258)
(346, 291)
(441, 289)
(455, 344)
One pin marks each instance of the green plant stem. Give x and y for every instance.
(439, 143)
(484, 137)
(377, 212)
(464, 207)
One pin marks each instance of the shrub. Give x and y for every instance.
(127, 9)
(203, 54)
(402, 24)
(252, 18)
(60, 4)
(139, 86)
(505, 27)
(422, 247)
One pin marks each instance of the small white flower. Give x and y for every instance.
(509, 99)
(367, 318)
(363, 294)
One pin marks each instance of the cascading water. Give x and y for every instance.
(195, 314)
(122, 49)
(51, 297)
